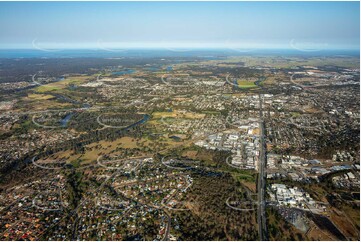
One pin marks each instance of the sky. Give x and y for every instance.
(243, 25)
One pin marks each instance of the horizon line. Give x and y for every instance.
(179, 48)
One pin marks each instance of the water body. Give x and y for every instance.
(66, 119)
(59, 79)
(145, 118)
(152, 69)
(235, 82)
(169, 68)
(72, 87)
(86, 105)
(120, 73)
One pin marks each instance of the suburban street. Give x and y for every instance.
(166, 234)
(261, 214)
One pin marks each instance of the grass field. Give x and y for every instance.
(47, 88)
(243, 176)
(246, 84)
(62, 84)
(158, 115)
(40, 96)
(41, 102)
(94, 150)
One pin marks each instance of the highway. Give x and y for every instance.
(261, 186)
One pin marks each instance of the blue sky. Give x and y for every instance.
(304, 25)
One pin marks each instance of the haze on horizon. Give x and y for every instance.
(308, 25)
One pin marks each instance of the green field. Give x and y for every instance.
(246, 84)
(61, 84)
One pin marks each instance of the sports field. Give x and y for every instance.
(246, 84)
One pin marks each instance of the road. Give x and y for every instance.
(167, 230)
(296, 84)
(261, 214)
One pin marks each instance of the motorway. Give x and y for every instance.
(261, 186)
